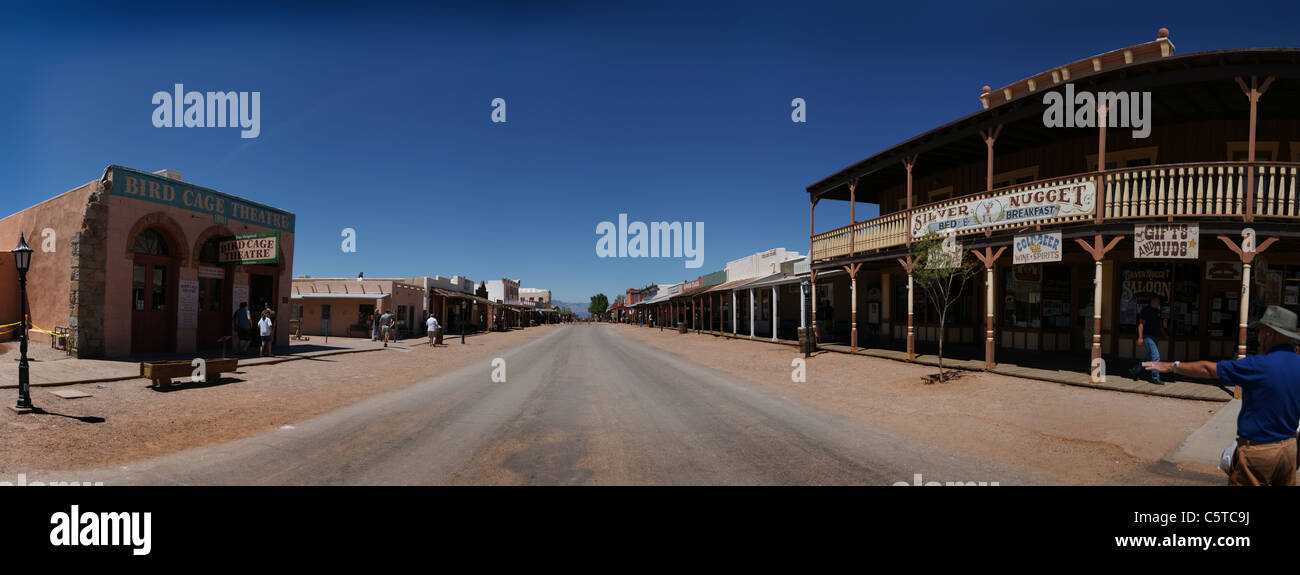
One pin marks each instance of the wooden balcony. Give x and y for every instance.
(1215, 190)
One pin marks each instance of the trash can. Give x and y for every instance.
(681, 327)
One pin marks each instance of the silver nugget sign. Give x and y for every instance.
(1181, 241)
(1021, 207)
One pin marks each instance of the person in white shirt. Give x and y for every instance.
(432, 324)
(264, 327)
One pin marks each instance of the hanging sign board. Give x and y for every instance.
(1037, 248)
(1166, 241)
(1224, 270)
(263, 248)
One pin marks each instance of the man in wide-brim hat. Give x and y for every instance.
(1270, 400)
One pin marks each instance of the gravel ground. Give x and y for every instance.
(1079, 436)
(127, 421)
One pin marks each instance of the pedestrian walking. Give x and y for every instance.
(374, 326)
(1270, 400)
(1151, 325)
(434, 330)
(386, 327)
(264, 330)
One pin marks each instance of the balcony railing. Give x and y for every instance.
(1205, 190)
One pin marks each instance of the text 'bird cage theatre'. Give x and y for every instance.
(1080, 193)
(136, 263)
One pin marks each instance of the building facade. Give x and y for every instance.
(135, 262)
(1074, 227)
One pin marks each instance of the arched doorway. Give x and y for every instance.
(154, 273)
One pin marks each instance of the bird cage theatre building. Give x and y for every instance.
(137, 262)
(1079, 193)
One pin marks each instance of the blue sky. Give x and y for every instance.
(377, 117)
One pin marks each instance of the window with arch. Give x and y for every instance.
(151, 242)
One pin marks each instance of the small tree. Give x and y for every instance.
(941, 272)
(599, 303)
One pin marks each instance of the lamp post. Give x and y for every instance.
(22, 261)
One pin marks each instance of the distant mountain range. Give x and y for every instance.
(579, 309)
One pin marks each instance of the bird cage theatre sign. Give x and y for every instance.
(261, 248)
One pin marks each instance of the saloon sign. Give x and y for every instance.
(1037, 248)
(1181, 241)
(1022, 207)
(263, 248)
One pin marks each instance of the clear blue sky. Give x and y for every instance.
(378, 117)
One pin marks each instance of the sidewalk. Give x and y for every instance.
(51, 367)
(1071, 375)
(1181, 389)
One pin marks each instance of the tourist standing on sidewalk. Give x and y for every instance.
(1150, 328)
(264, 330)
(243, 321)
(1270, 400)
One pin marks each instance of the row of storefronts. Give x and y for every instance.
(1068, 231)
(1073, 230)
(138, 263)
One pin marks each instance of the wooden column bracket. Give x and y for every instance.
(989, 256)
(853, 269)
(1097, 249)
(1247, 257)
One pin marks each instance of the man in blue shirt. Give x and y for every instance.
(1150, 328)
(1270, 400)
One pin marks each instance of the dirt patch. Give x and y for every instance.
(128, 420)
(1077, 435)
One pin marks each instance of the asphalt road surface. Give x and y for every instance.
(580, 405)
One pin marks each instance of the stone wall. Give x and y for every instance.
(89, 266)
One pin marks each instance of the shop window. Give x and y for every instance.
(1139, 282)
(210, 253)
(1240, 151)
(150, 242)
(1056, 297)
(159, 302)
(364, 313)
(1126, 158)
(295, 312)
(1183, 307)
(1022, 303)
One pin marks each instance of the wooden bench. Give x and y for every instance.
(163, 372)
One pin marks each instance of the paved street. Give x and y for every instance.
(581, 405)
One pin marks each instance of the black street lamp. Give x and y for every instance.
(463, 319)
(23, 261)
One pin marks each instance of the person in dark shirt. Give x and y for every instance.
(1150, 329)
(1270, 400)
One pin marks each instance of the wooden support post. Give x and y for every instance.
(751, 313)
(1253, 94)
(1098, 251)
(1247, 252)
(1101, 163)
(989, 137)
(853, 301)
(774, 311)
(989, 258)
(908, 263)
